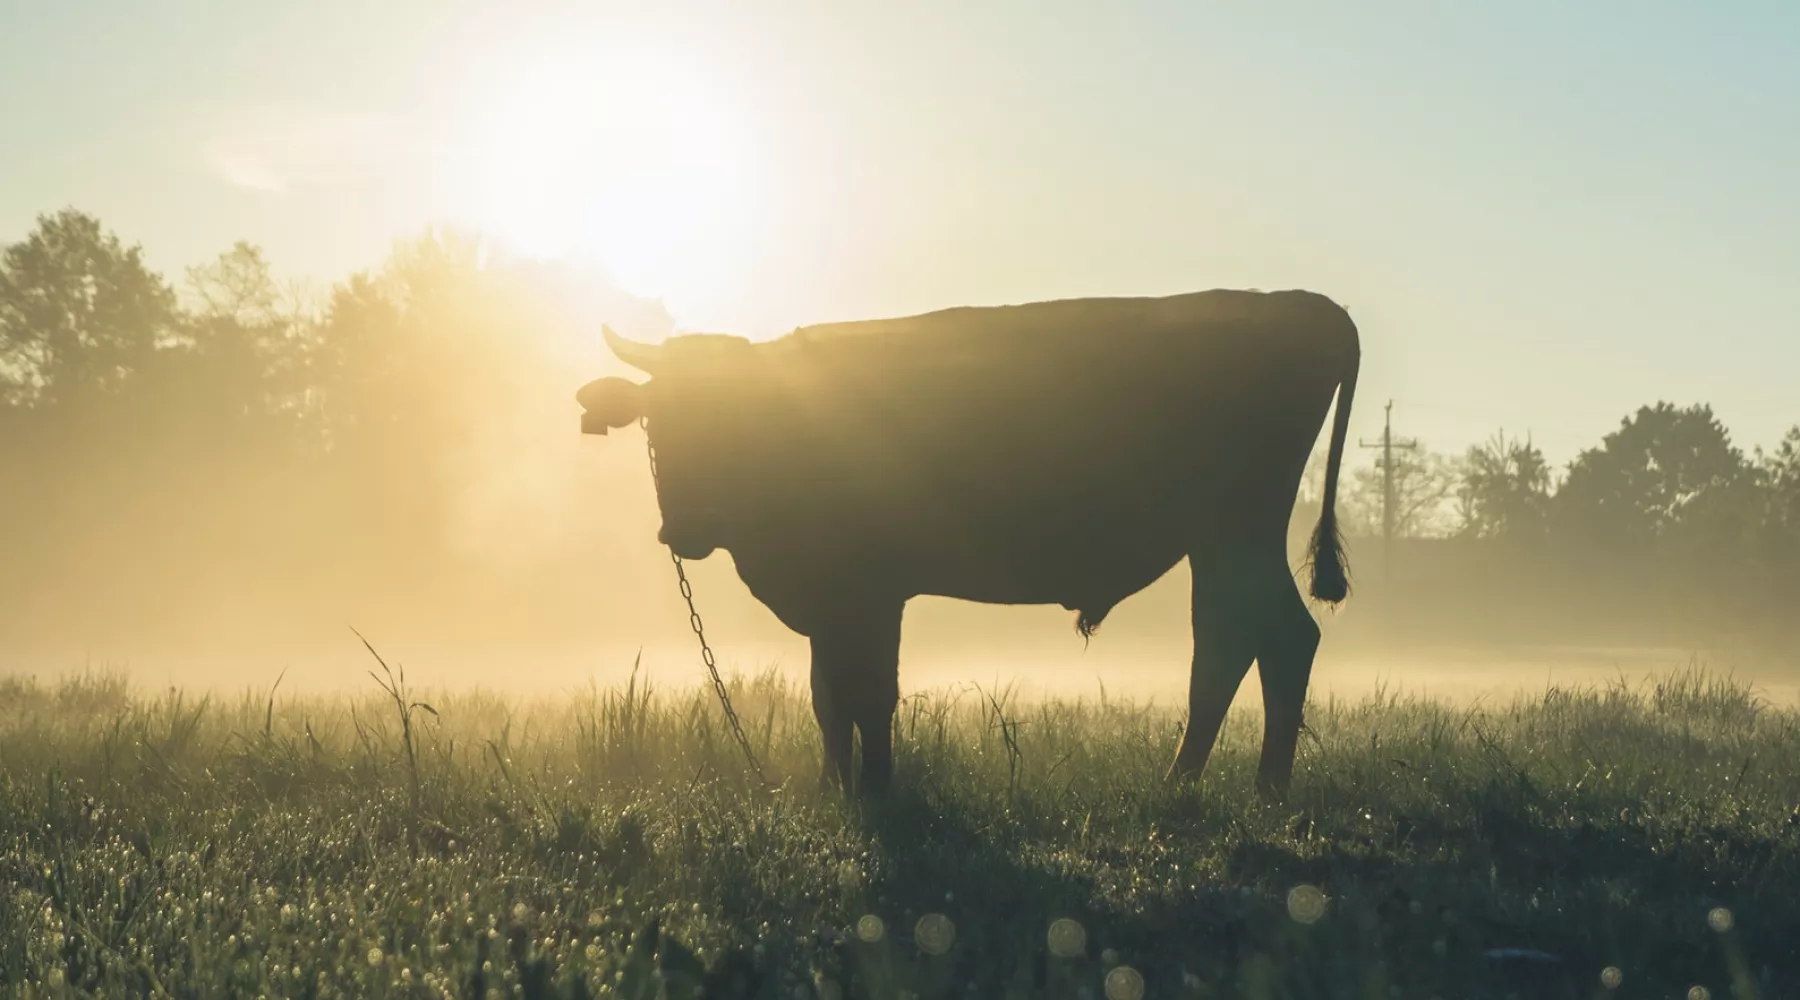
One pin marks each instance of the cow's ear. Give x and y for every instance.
(609, 402)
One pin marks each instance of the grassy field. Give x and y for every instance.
(1633, 841)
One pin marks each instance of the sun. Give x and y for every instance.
(634, 156)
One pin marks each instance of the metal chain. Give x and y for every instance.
(694, 622)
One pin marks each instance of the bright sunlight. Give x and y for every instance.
(636, 157)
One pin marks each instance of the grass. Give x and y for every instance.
(610, 843)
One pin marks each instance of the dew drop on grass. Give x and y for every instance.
(1124, 983)
(1306, 903)
(934, 933)
(1067, 938)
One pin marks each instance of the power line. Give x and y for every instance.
(1387, 444)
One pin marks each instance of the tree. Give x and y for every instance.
(79, 312)
(237, 286)
(1665, 473)
(248, 345)
(403, 349)
(418, 366)
(1423, 482)
(1779, 475)
(1505, 490)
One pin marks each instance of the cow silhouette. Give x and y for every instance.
(1067, 452)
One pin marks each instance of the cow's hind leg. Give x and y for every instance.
(1225, 642)
(856, 661)
(1284, 662)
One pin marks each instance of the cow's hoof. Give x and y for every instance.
(1181, 773)
(1272, 792)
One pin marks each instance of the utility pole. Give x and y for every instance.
(1385, 463)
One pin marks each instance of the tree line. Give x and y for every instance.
(1668, 476)
(234, 441)
(1665, 525)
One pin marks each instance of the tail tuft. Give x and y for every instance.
(1087, 622)
(1330, 574)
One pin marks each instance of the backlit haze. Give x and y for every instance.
(1542, 216)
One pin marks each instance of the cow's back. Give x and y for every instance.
(1008, 394)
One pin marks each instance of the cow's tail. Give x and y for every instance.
(1330, 571)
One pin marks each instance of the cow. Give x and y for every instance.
(1064, 452)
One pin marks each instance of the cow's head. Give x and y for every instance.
(700, 409)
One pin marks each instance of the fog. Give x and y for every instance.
(550, 631)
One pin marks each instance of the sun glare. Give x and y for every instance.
(634, 157)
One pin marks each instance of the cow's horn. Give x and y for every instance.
(643, 357)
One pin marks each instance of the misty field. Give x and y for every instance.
(1637, 839)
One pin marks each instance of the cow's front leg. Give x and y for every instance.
(856, 682)
(836, 724)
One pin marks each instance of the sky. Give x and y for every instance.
(1540, 215)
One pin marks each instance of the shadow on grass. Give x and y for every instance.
(1509, 904)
